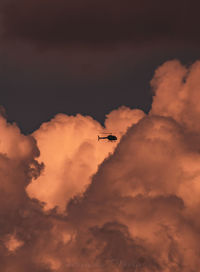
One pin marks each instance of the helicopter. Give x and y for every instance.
(110, 137)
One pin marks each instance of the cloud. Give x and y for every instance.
(72, 154)
(12, 243)
(19, 216)
(100, 206)
(150, 185)
(146, 187)
(104, 23)
(176, 90)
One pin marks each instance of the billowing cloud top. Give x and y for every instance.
(72, 203)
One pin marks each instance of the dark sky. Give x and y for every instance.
(88, 56)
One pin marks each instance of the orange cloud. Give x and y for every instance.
(72, 154)
(177, 93)
(144, 187)
(126, 206)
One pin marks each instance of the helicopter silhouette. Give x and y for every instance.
(110, 138)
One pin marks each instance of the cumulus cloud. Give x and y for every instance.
(18, 166)
(12, 243)
(146, 187)
(177, 90)
(99, 206)
(71, 153)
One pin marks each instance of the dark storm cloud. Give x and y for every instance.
(100, 22)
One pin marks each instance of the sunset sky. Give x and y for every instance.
(88, 57)
(73, 70)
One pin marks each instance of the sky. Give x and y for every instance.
(89, 58)
(71, 71)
